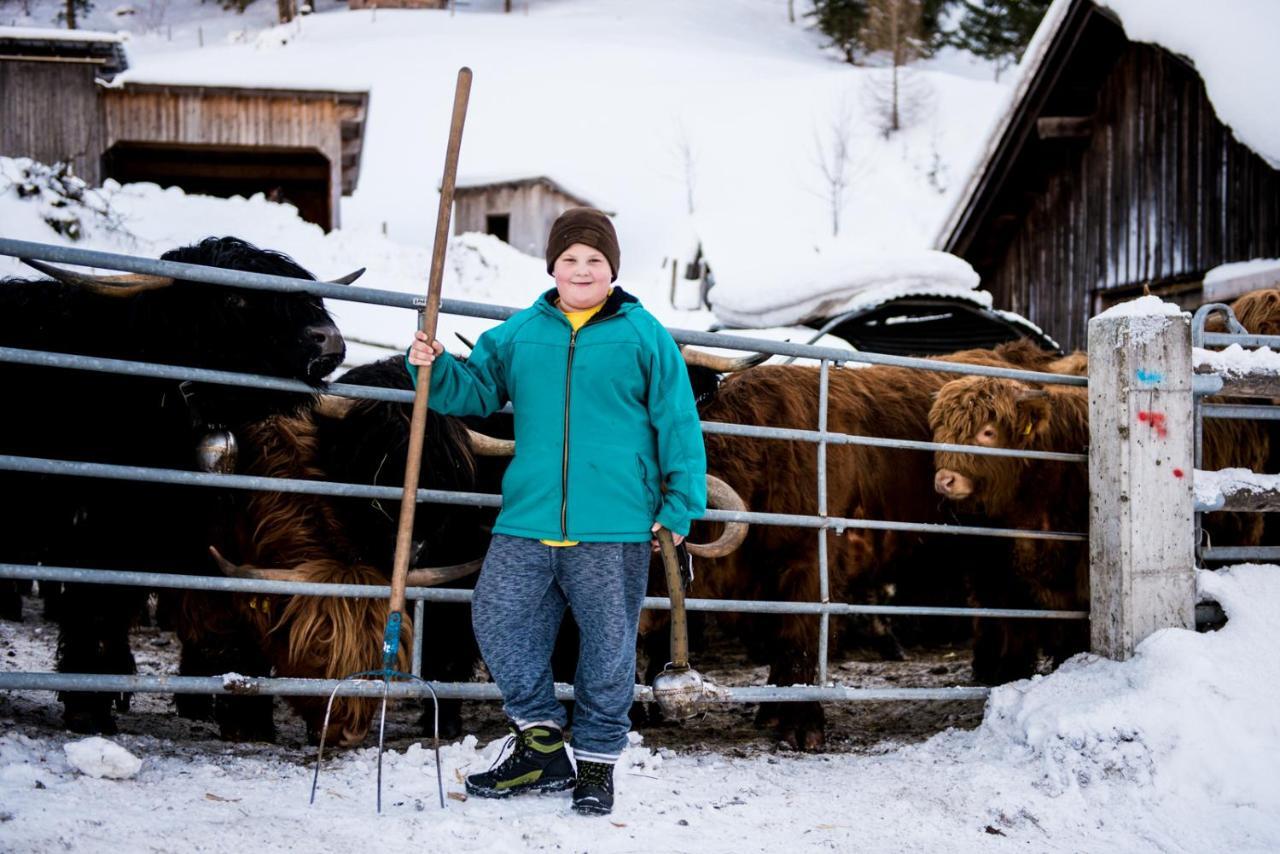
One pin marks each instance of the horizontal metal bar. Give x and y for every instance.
(1225, 339)
(1246, 411)
(353, 293)
(43, 358)
(237, 684)
(1267, 553)
(794, 434)
(1205, 384)
(83, 575)
(182, 477)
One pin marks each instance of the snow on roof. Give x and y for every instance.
(55, 35)
(1231, 46)
(474, 182)
(784, 287)
(1228, 281)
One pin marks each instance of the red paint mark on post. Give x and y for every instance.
(1178, 472)
(1156, 420)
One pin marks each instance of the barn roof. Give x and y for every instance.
(481, 183)
(1227, 47)
(30, 44)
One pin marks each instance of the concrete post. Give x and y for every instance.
(1141, 523)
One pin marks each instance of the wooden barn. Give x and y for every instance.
(1111, 171)
(49, 83)
(397, 4)
(519, 211)
(300, 146)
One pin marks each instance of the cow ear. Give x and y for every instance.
(1033, 416)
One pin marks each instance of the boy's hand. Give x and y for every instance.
(422, 353)
(653, 541)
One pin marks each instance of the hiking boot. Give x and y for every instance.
(594, 793)
(538, 763)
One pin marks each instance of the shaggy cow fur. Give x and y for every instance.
(1044, 495)
(863, 482)
(126, 420)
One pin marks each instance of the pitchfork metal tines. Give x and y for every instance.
(413, 466)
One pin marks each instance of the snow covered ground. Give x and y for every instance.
(1173, 750)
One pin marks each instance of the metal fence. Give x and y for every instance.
(827, 358)
(1233, 385)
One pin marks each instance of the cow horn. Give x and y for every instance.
(433, 575)
(695, 358)
(348, 278)
(235, 570)
(488, 446)
(334, 405)
(721, 496)
(114, 286)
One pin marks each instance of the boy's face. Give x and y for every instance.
(582, 277)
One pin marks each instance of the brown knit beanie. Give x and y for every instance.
(587, 226)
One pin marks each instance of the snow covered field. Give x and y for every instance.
(1174, 750)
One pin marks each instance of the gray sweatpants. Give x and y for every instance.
(519, 602)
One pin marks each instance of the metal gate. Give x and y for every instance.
(821, 523)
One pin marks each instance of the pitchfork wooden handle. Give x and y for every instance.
(675, 591)
(429, 315)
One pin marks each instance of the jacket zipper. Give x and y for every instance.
(564, 457)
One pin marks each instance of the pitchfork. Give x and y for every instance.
(417, 427)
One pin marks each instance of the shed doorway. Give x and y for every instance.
(297, 176)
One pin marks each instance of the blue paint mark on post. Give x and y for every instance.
(1146, 377)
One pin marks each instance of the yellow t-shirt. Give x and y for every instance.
(576, 319)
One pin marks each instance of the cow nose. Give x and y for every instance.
(327, 338)
(944, 482)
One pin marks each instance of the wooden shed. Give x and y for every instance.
(519, 211)
(297, 145)
(300, 146)
(397, 4)
(1111, 171)
(49, 94)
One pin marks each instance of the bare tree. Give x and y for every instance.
(892, 35)
(837, 161)
(687, 156)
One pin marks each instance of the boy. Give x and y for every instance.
(608, 451)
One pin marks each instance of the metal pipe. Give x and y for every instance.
(419, 615)
(375, 689)
(795, 434)
(352, 293)
(181, 477)
(43, 358)
(81, 575)
(1246, 411)
(1266, 553)
(1224, 339)
(824, 625)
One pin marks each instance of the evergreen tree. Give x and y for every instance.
(999, 29)
(842, 22)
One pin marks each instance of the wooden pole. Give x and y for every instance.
(1141, 522)
(418, 422)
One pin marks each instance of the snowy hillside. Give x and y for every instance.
(603, 96)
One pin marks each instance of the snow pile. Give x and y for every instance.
(1189, 722)
(1213, 487)
(1236, 361)
(780, 286)
(101, 757)
(1233, 50)
(1268, 267)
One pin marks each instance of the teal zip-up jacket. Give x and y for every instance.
(608, 439)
